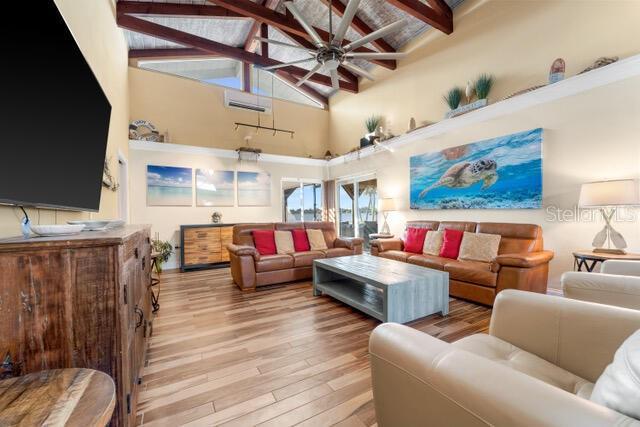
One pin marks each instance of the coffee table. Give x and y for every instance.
(390, 291)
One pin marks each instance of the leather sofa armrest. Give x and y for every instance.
(561, 330)
(239, 250)
(419, 380)
(348, 242)
(525, 259)
(611, 289)
(388, 244)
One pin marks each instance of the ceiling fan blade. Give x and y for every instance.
(292, 46)
(347, 17)
(305, 24)
(275, 67)
(391, 28)
(376, 55)
(308, 75)
(359, 71)
(335, 80)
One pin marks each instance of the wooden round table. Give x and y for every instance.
(59, 397)
(589, 259)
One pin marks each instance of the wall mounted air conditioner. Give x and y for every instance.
(247, 102)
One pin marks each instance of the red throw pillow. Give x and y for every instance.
(415, 240)
(265, 241)
(300, 240)
(451, 241)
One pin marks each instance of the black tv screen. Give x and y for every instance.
(54, 116)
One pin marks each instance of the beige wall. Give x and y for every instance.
(587, 137)
(167, 220)
(93, 26)
(194, 114)
(515, 40)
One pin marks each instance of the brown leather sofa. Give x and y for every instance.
(522, 263)
(250, 270)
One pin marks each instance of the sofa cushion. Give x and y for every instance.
(284, 242)
(451, 243)
(414, 240)
(274, 263)
(502, 352)
(429, 261)
(479, 247)
(300, 240)
(316, 240)
(396, 255)
(618, 387)
(264, 241)
(305, 259)
(478, 273)
(433, 243)
(336, 252)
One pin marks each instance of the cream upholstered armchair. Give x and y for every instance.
(536, 367)
(618, 283)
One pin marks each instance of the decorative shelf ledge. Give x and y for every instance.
(620, 70)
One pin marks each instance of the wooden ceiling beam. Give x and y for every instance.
(190, 40)
(443, 21)
(167, 53)
(285, 23)
(176, 10)
(360, 26)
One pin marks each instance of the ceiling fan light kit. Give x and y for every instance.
(331, 54)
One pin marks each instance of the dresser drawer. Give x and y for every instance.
(193, 235)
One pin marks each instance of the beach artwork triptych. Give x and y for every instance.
(173, 186)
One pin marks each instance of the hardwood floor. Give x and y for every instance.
(276, 357)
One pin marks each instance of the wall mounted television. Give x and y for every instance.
(54, 116)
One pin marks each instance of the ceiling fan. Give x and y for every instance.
(331, 54)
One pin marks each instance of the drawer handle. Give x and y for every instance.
(136, 253)
(144, 262)
(140, 314)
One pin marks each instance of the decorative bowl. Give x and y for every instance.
(56, 230)
(96, 225)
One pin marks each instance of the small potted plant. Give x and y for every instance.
(453, 98)
(483, 86)
(372, 124)
(164, 251)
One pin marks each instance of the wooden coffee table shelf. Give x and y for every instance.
(388, 290)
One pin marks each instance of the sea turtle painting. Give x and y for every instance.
(503, 172)
(465, 174)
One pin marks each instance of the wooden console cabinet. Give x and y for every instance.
(204, 245)
(80, 301)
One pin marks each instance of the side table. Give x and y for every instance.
(375, 236)
(588, 259)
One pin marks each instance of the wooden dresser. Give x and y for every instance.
(79, 302)
(204, 245)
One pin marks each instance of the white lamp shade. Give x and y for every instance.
(622, 192)
(388, 205)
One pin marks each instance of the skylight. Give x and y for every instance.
(228, 73)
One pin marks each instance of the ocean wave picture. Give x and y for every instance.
(215, 188)
(169, 186)
(254, 189)
(498, 173)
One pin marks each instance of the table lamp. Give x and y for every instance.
(387, 205)
(607, 196)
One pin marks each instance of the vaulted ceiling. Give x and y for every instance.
(226, 28)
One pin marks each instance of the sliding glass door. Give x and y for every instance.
(301, 200)
(358, 207)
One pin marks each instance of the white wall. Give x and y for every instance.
(587, 137)
(167, 220)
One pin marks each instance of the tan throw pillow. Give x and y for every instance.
(479, 247)
(284, 242)
(316, 240)
(433, 243)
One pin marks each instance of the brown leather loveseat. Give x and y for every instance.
(250, 270)
(522, 263)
